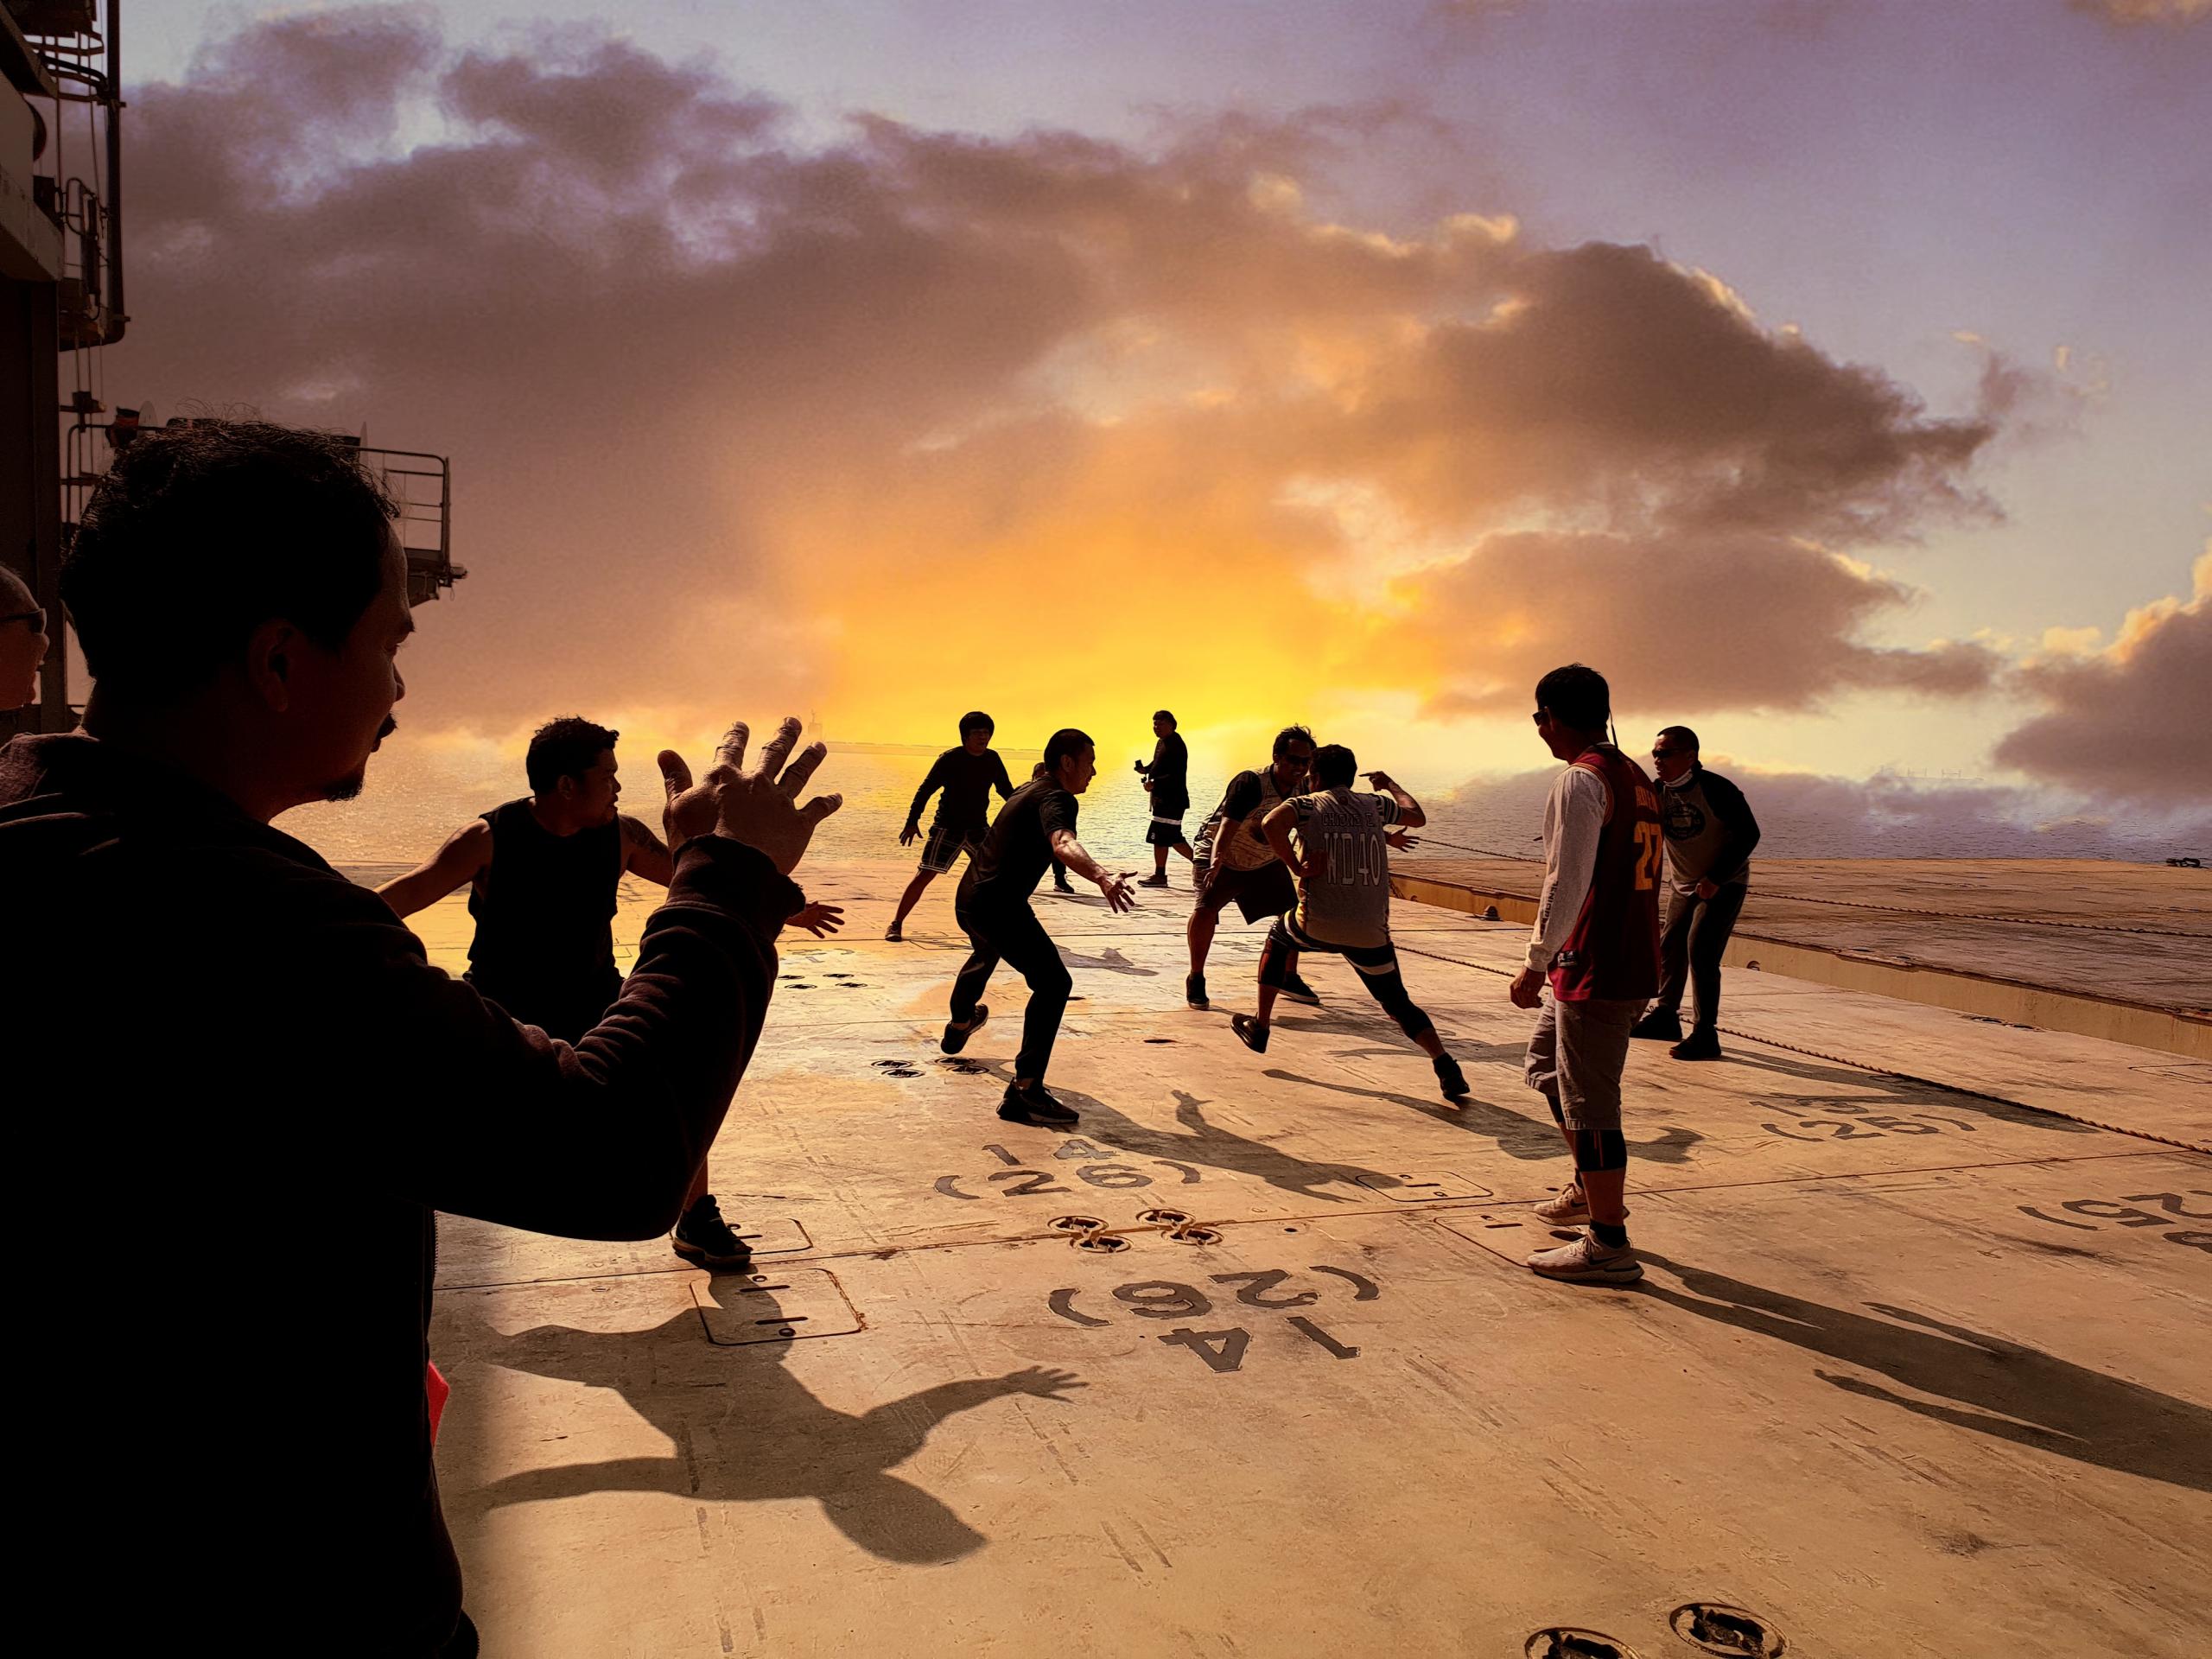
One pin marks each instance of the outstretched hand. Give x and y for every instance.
(1119, 891)
(757, 806)
(819, 920)
(1045, 1385)
(906, 835)
(1404, 840)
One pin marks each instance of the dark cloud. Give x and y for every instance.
(737, 414)
(2134, 720)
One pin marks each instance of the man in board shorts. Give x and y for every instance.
(1168, 780)
(967, 775)
(1342, 860)
(1235, 864)
(1596, 942)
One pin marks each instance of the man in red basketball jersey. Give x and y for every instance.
(1595, 941)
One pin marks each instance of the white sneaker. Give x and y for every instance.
(1569, 1208)
(1586, 1260)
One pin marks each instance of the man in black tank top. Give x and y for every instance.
(542, 874)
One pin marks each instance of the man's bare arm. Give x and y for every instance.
(644, 853)
(1069, 852)
(1276, 827)
(466, 853)
(1409, 812)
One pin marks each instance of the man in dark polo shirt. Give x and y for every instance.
(1033, 828)
(966, 775)
(1710, 835)
(1236, 865)
(543, 874)
(254, 1049)
(1168, 780)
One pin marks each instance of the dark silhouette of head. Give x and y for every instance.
(1335, 767)
(571, 761)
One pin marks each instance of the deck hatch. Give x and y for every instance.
(778, 1305)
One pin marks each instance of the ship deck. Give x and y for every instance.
(1910, 1372)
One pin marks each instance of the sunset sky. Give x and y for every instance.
(1835, 377)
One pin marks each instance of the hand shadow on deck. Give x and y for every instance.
(1208, 1144)
(1517, 1136)
(1110, 960)
(1896, 1092)
(2063, 1407)
(747, 1430)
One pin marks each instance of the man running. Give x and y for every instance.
(1595, 941)
(1710, 835)
(1342, 860)
(967, 775)
(1034, 827)
(1166, 778)
(542, 874)
(1234, 862)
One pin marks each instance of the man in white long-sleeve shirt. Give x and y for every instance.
(1596, 942)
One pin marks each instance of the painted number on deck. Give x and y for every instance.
(1852, 1122)
(1223, 1350)
(1017, 1182)
(2095, 1213)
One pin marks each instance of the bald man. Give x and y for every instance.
(22, 641)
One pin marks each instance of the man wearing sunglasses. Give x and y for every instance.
(1710, 835)
(1234, 863)
(1596, 943)
(23, 642)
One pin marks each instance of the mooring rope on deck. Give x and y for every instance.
(1877, 1070)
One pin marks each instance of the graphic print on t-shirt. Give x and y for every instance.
(1350, 902)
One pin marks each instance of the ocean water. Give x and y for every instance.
(414, 801)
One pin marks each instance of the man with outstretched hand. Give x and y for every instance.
(233, 1034)
(1035, 828)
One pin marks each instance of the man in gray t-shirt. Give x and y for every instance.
(1710, 835)
(1334, 843)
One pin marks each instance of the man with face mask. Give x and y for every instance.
(1710, 835)
(542, 874)
(253, 1052)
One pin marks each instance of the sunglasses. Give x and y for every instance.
(36, 618)
(1661, 754)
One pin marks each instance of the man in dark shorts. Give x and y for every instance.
(1034, 827)
(1596, 942)
(541, 873)
(1710, 835)
(1168, 779)
(967, 776)
(1341, 857)
(222, 1017)
(1235, 864)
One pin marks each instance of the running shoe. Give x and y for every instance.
(1702, 1043)
(1194, 991)
(1299, 991)
(1060, 883)
(1030, 1103)
(1661, 1024)
(1159, 880)
(1449, 1077)
(1586, 1261)
(701, 1236)
(955, 1036)
(1568, 1209)
(1249, 1031)
(893, 936)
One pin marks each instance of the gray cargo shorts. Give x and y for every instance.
(1576, 1056)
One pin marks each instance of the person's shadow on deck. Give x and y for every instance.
(2060, 1407)
(1527, 1138)
(747, 1430)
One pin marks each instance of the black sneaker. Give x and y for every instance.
(1299, 991)
(1661, 1024)
(1702, 1043)
(1158, 880)
(1449, 1077)
(703, 1238)
(1060, 883)
(1032, 1104)
(1194, 991)
(1249, 1031)
(956, 1037)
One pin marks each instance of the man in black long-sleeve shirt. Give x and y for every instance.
(1710, 835)
(967, 776)
(276, 1090)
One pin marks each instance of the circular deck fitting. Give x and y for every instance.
(1162, 1217)
(1715, 1627)
(1566, 1642)
(1075, 1224)
(1108, 1243)
(1194, 1235)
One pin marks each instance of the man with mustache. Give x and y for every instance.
(277, 1090)
(543, 874)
